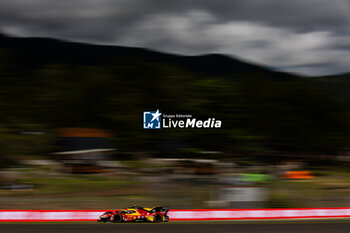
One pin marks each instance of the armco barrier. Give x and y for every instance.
(178, 215)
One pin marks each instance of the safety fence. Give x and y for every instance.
(178, 215)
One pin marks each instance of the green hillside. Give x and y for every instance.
(47, 84)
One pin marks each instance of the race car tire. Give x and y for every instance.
(158, 218)
(117, 218)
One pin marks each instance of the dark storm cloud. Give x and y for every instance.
(278, 33)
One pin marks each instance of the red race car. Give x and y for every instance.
(136, 214)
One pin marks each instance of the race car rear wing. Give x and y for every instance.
(163, 209)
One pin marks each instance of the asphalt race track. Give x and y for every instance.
(213, 227)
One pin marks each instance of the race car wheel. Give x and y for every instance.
(117, 218)
(158, 218)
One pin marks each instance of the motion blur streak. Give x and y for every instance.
(307, 227)
(176, 215)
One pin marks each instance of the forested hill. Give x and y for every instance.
(46, 51)
(48, 84)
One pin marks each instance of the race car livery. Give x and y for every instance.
(136, 214)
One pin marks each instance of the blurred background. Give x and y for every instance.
(73, 90)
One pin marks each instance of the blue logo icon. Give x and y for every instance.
(151, 120)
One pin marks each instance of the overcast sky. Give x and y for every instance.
(304, 36)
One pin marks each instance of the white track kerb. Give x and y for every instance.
(178, 215)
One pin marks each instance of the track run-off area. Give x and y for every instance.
(297, 226)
